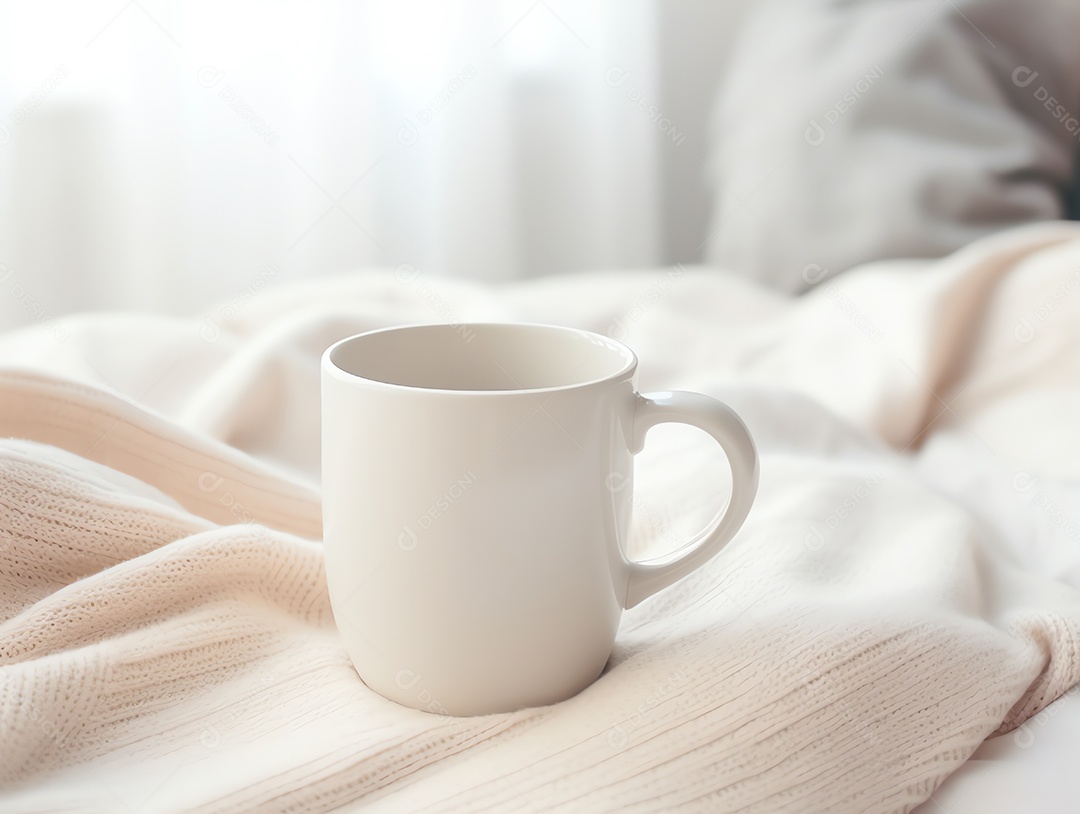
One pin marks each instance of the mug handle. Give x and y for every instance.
(717, 419)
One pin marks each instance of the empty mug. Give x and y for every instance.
(477, 484)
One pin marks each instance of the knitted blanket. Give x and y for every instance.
(906, 584)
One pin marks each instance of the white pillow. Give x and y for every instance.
(851, 130)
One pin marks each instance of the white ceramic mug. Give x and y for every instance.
(476, 507)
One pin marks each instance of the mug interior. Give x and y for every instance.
(482, 357)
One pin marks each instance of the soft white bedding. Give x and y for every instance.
(907, 585)
(1030, 769)
(853, 131)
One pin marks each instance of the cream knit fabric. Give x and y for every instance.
(901, 591)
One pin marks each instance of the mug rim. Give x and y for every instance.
(625, 371)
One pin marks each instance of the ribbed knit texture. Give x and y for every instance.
(896, 597)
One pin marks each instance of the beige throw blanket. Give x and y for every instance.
(906, 585)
